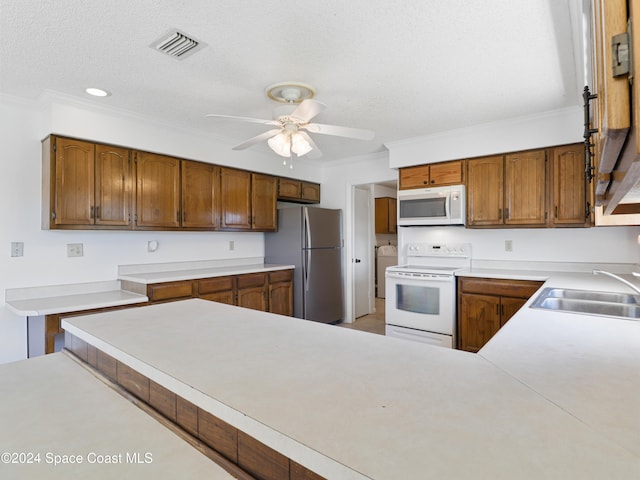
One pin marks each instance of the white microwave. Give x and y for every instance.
(432, 206)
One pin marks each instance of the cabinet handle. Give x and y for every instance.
(184, 216)
(501, 309)
(499, 214)
(506, 214)
(433, 181)
(98, 212)
(93, 211)
(556, 211)
(497, 309)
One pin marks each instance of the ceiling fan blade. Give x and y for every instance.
(257, 139)
(244, 119)
(307, 110)
(349, 132)
(316, 152)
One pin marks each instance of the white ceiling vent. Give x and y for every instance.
(177, 44)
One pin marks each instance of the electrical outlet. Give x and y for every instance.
(17, 249)
(232, 245)
(75, 250)
(508, 245)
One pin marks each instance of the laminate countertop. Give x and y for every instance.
(194, 273)
(551, 396)
(58, 421)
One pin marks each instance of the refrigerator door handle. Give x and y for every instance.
(307, 269)
(307, 227)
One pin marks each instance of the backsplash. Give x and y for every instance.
(611, 245)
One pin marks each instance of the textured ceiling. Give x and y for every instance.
(402, 68)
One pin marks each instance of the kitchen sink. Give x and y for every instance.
(610, 304)
(589, 295)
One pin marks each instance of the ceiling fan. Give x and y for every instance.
(292, 119)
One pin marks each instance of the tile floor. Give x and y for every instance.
(373, 322)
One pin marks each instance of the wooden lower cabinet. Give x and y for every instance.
(267, 292)
(218, 289)
(170, 291)
(281, 292)
(252, 291)
(485, 305)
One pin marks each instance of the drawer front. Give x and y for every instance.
(252, 280)
(281, 276)
(501, 287)
(170, 290)
(212, 285)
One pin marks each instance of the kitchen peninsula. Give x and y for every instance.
(346, 404)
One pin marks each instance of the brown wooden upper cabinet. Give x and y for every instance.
(247, 200)
(568, 192)
(507, 190)
(516, 189)
(157, 192)
(290, 190)
(386, 215)
(432, 175)
(200, 195)
(85, 185)
(525, 180)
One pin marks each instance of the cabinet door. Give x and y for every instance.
(199, 195)
(485, 191)
(235, 199)
(252, 291)
(509, 307)
(158, 191)
(386, 215)
(113, 184)
(382, 215)
(525, 187)
(414, 177)
(227, 296)
(289, 189)
(281, 292)
(310, 192)
(74, 182)
(479, 320)
(447, 173)
(169, 291)
(281, 298)
(264, 190)
(568, 186)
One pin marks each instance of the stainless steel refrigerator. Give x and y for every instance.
(311, 239)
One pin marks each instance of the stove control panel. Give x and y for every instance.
(439, 250)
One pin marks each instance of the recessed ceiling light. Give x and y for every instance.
(97, 92)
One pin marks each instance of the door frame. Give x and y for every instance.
(349, 290)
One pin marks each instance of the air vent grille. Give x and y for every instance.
(178, 45)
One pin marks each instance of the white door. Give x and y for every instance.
(361, 261)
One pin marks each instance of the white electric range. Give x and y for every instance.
(421, 295)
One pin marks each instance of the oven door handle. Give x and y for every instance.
(429, 278)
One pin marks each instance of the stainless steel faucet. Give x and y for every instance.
(620, 279)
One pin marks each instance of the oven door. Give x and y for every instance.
(425, 302)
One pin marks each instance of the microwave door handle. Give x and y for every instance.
(447, 206)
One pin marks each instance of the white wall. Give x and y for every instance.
(558, 127)
(607, 245)
(22, 127)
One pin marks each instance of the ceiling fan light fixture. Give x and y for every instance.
(299, 145)
(281, 144)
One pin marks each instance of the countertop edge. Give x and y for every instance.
(195, 274)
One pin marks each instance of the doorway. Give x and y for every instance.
(361, 284)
